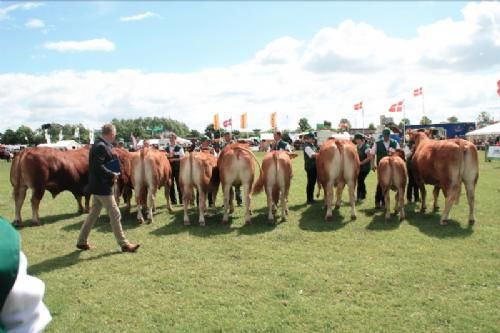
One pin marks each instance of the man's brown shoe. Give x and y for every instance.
(130, 247)
(85, 247)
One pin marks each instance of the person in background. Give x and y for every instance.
(310, 151)
(21, 296)
(279, 143)
(364, 167)
(381, 149)
(205, 145)
(174, 154)
(101, 181)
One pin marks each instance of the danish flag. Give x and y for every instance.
(398, 107)
(227, 123)
(418, 91)
(358, 106)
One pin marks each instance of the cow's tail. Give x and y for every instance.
(461, 170)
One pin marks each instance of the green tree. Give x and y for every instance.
(425, 121)
(327, 124)
(452, 119)
(194, 133)
(484, 118)
(371, 126)
(9, 137)
(24, 135)
(405, 122)
(304, 125)
(256, 131)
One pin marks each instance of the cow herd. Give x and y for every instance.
(446, 164)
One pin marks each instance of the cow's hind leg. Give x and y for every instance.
(270, 204)
(423, 196)
(401, 203)
(447, 207)
(202, 206)
(387, 200)
(151, 203)
(435, 193)
(167, 198)
(19, 195)
(187, 192)
(352, 199)
(340, 189)
(246, 190)
(470, 188)
(328, 189)
(78, 199)
(35, 205)
(227, 189)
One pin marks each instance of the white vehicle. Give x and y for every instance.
(62, 145)
(325, 134)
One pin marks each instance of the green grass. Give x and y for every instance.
(304, 275)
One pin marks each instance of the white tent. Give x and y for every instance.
(488, 130)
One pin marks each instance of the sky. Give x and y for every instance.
(90, 62)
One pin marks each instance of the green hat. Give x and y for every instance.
(386, 131)
(310, 135)
(358, 136)
(204, 138)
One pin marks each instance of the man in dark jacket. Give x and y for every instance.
(101, 180)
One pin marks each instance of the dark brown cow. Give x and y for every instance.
(150, 171)
(392, 175)
(41, 169)
(446, 164)
(275, 177)
(337, 164)
(236, 166)
(198, 170)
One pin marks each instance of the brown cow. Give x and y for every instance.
(446, 164)
(123, 187)
(48, 169)
(150, 171)
(392, 175)
(236, 167)
(337, 164)
(275, 177)
(199, 170)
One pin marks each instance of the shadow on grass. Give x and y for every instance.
(428, 224)
(51, 219)
(64, 261)
(312, 219)
(378, 222)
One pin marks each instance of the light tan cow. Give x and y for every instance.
(150, 171)
(392, 175)
(198, 170)
(446, 164)
(337, 164)
(236, 165)
(275, 177)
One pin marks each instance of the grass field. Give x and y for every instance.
(303, 275)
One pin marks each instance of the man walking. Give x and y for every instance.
(174, 154)
(310, 152)
(101, 180)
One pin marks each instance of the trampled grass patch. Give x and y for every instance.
(303, 275)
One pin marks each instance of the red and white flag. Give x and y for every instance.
(398, 107)
(418, 91)
(358, 106)
(227, 123)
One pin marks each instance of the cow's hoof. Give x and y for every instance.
(422, 210)
(149, 221)
(353, 217)
(401, 218)
(36, 223)
(249, 222)
(328, 218)
(17, 224)
(187, 223)
(444, 222)
(472, 222)
(337, 207)
(140, 221)
(86, 211)
(435, 209)
(202, 223)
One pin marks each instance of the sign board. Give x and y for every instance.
(493, 153)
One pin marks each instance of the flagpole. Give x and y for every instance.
(363, 118)
(404, 124)
(423, 109)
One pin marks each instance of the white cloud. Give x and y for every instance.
(320, 79)
(4, 11)
(100, 44)
(138, 17)
(35, 24)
